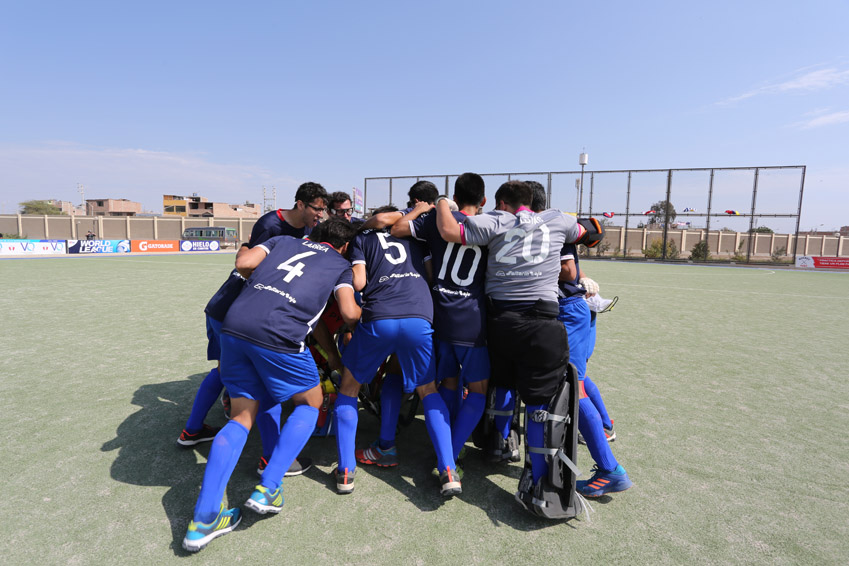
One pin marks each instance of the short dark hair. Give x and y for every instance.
(538, 202)
(309, 191)
(424, 191)
(514, 194)
(385, 208)
(469, 189)
(335, 231)
(338, 198)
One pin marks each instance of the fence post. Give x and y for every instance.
(46, 228)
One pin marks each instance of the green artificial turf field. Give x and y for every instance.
(728, 387)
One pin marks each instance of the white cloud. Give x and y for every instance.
(53, 171)
(809, 81)
(825, 120)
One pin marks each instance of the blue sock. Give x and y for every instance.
(504, 401)
(296, 431)
(589, 423)
(595, 397)
(345, 419)
(225, 452)
(208, 392)
(439, 429)
(536, 438)
(451, 397)
(391, 395)
(268, 423)
(466, 421)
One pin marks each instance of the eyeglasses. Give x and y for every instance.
(342, 211)
(316, 208)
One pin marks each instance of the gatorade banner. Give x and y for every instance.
(32, 247)
(816, 262)
(149, 246)
(200, 246)
(98, 246)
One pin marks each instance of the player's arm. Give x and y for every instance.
(348, 307)
(568, 271)
(449, 228)
(360, 278)
(324, 338)
(380, 220)
(248, 259)
(401, 228)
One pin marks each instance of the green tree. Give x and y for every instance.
(39, 207)
(656, 248)
(761, 230)
(660, 208)
(700, 251)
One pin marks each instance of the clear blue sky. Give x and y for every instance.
(138, 99)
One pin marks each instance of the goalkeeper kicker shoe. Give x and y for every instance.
(298, 467)
(201, 534)
(264, 501)
(206, 434)
(603, 482)
(609, 433)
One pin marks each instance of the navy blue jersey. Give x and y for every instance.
(220, 302)
(286, 294)
(394, 268)
(570, 288)
(459, 312)
(272, 224)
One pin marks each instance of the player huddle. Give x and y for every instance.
(468, 307)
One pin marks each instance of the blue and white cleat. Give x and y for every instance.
(264, 501)
(201, 534)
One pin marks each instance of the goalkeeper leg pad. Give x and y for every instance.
(554, 496)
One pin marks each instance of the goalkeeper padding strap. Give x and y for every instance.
(554, 496)
(593, 232)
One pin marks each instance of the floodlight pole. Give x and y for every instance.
(583, 159)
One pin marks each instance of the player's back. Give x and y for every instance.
(523, 262)
(286, 293)
(395, 286)
(458, 285)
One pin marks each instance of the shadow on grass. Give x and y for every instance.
(148, 454)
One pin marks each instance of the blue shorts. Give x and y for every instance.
(410, 338)
(213, 333)
(251, 371)
(575, 316)
(470, 363)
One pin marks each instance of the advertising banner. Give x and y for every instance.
(32, 247)
(358, 201)
(98, 246)
(200, 246)
(149, 246)
(817, 262)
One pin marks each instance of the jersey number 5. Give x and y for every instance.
(294, 269)
(387, 245)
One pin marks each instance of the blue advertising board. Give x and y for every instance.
(98, 246)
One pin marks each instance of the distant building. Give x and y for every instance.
(67, 207)
(196, 206)
(844, 231)
(112, 207)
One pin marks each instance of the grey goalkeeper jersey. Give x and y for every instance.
(524, 251)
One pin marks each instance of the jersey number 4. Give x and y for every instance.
(294, 269)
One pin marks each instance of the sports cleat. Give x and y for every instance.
(298, 467)
(609, 433)
(206, 434)
(450, 480)
(344, 481)
(375, 455)
(201, 534)
(603, 482)
(263, 501)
